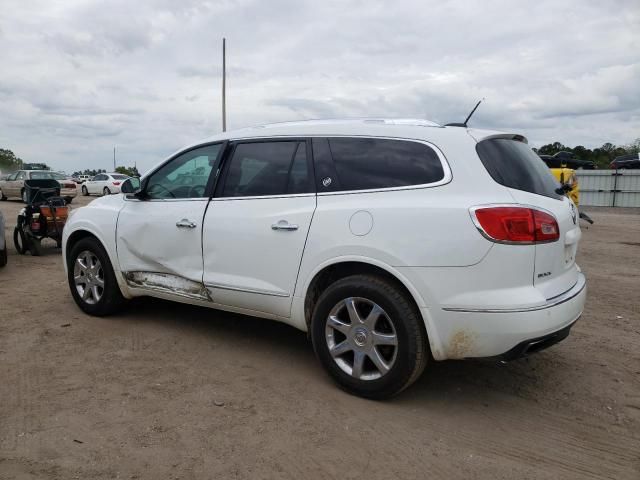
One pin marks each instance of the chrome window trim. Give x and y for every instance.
(263, 197)
(448, 175)
(147, 200)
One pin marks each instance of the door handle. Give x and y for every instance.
(185, 223)
(284, 225)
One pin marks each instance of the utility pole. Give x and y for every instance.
(114, 158)
(224, 85)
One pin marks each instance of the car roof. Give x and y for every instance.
(413, 128)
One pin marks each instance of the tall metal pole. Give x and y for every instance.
(114, 158)
(224, 85)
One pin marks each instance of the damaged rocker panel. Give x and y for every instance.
(167, 283)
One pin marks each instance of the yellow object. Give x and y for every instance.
(568, 175)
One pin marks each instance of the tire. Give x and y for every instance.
(400, 318)
(85, 192)
(68, 200)
(20, 241)
(110, 300)
(2, 196)
(23, 195)
(106, 191)
(3, 256)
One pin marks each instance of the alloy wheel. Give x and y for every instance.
(88, 276)
(361, 338)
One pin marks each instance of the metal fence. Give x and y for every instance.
(609, 188)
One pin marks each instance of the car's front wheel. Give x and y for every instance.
(85, 192)
(369, 335)
(91, 278)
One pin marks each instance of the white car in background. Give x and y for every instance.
(392, 242)
(103, 184)
(13, 185)
(83, 178)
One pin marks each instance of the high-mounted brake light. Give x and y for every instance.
(515, 224)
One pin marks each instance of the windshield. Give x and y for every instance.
(513, 164)
(41, 175)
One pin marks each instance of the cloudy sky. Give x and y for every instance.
(80, 76)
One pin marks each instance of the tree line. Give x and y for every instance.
(601, 156)
(9, 162)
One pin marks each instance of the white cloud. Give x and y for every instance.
(82, 76)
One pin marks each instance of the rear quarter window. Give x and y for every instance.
(372, 163)
(513, 164)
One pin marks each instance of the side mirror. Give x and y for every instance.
(130, 186)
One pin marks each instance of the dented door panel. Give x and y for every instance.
(149, 241)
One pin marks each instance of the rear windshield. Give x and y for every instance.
(41, 175)
(513, 164)
(119, 177)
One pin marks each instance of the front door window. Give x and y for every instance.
(186, 176)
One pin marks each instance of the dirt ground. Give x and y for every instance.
(167, 391)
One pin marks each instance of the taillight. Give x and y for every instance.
(515, 224)
(116, 183)
(35, 222)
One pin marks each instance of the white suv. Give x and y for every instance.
(392, 242)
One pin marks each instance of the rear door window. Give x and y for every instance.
(268, 168)
(373, 163)
(513, 164)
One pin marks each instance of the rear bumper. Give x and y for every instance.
(508, 332)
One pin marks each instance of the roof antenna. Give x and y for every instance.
(467, 119)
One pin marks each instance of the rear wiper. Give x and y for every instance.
(586, 217)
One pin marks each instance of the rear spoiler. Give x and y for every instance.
(480, 135)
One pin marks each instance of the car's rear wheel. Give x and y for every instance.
(92, 280)
(369, 336)
(68, 200)
(23, 194)
(20, 241)
(85, 192)
(106, 191)
(2, 196)
(3, 256)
